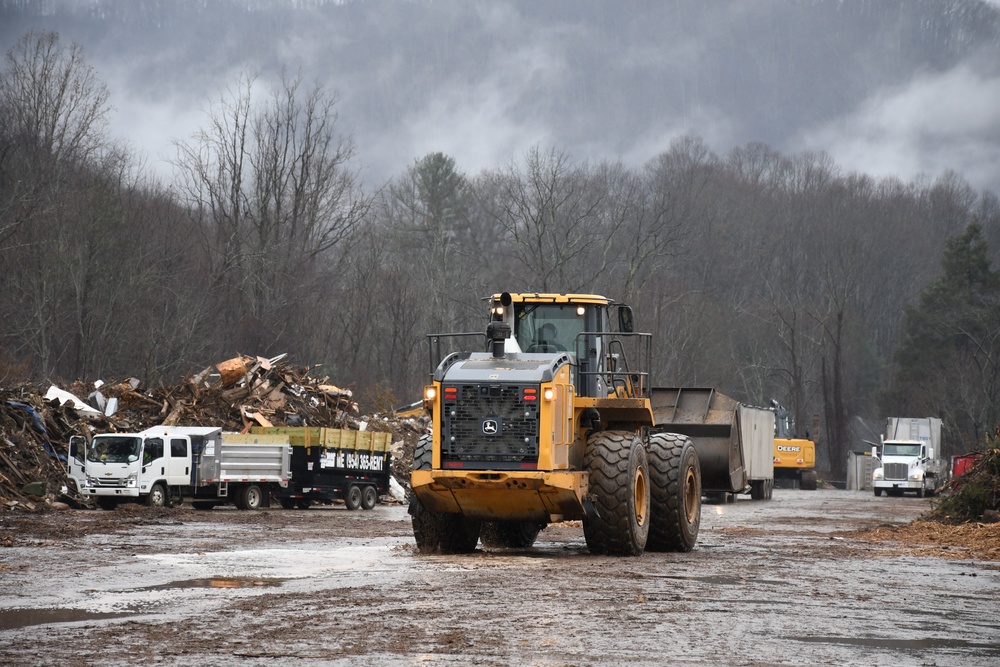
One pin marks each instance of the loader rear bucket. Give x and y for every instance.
(711, 420)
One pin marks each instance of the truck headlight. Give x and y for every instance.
(130, 480)
(917, 474)
(877, 474)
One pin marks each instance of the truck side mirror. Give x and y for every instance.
(930, 452)
(874, 453)
(77, 445)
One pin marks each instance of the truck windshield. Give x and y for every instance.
(114, 449)
(901, 450)
(547, 327)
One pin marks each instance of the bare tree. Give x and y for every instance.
(550, 212)
(271, 188)
(60, 220)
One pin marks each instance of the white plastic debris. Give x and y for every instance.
(395, 490)
(66, 398)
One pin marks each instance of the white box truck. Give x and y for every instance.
(167, 465)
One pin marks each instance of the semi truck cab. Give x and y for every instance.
(903, 467)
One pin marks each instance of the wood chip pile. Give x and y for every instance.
(235, 395)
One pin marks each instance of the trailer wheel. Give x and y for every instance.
(157, 496)
(369, 498)
(303, 503)
(352, 497)
(676, 493)
(106, 503)
(757, 490)
(510, 534)
(619, 491)
(436, 532)
(878, 492)
(251, 497)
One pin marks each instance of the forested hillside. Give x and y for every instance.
(768, 274)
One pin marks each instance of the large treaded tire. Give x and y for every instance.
(435, 532)
(619, 491)
(807, 481)
(510, 534)
(676, 493)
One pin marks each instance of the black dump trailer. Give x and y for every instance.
(331, 464)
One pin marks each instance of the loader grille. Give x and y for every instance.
(896, 471)
(489, 426)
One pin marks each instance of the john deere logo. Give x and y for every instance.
(491, 427)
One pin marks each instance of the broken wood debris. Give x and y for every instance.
(235, 394)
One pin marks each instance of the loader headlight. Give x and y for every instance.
(549, 393)
(877, 473)
(430, 393)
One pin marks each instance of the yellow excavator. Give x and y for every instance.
(794, 458)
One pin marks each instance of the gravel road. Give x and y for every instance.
(783, 582)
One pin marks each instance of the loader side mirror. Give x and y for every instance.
(626, 323)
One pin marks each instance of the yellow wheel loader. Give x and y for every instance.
(548, 418)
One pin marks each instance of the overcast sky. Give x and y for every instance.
(896, 88)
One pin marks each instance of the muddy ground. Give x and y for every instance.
(808, 578)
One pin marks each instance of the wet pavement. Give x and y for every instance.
(778, 582)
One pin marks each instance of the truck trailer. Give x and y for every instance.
(334, 464)
(734, 441)
(167, 465)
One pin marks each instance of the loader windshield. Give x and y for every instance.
(549, 327)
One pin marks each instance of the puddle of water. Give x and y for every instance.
(219, 582)
(22, 618)
(901, 644)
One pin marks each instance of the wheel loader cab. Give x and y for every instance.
(546, 324)
(550, 424)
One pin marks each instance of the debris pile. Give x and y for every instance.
(236, 394)
(975, 495)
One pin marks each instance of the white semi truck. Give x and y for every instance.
(905, 459)
(167, 465)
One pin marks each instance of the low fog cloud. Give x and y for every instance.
(935, 123)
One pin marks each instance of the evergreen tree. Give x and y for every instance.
(948, 365)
